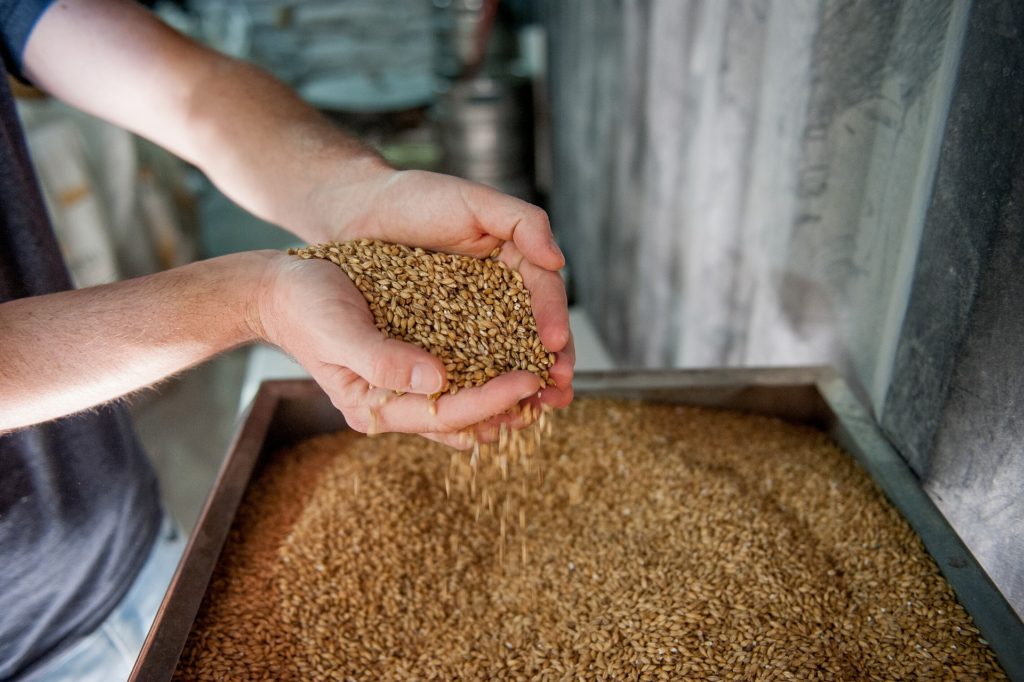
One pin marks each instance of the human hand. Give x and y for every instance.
(445, 213)
(314, 312)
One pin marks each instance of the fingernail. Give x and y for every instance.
(534, 391)
(554, 245)
(425, 379)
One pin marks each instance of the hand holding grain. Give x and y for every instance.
(455, 216)
(312, 310)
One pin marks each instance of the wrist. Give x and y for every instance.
(343, 207)
(262, 269)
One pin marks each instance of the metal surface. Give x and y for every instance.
(486, 133)
(286, 411)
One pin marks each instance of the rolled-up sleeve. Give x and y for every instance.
(17, 19)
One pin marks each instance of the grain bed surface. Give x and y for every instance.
(664, 542)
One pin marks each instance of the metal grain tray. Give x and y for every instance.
(284, 412)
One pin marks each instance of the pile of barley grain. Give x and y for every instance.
(665, 543)
(473, 314)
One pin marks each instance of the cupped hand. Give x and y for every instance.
(314, 312)
(445, 213)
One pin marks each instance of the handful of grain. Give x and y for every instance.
(474, 315)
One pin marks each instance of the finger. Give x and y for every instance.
(553, 397)
(346, 389)
(565, 364)
(561, 394)
(515, 220)
(346, 336)
(517, 419)
(483, 434)
(459, 441)
(556, 397)
(411, 413)
(550, 305)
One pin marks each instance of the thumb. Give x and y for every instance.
(389, 363)
(342, 331)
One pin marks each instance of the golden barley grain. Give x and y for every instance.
(665, 543)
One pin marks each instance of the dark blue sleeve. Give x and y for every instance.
(17, 19)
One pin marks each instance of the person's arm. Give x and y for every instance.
(256, 140)
(73, 350)
(280, 159)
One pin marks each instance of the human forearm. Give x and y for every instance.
(69, 351)
(255, 138)
(274, 154)
(66, 352)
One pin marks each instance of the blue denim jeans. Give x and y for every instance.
(108, 653)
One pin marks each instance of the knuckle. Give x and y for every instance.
(444, 422)
(339, 405)
(356, 422)
(385, 373)
(539, 215)
(357, 419)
